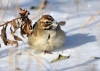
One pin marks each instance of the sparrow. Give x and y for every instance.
(46, 35)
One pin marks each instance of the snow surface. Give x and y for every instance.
(81, 44)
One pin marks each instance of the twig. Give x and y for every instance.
(89, 20)
(9, 21)
(39, 9)
(37, 59)
(77, 4)
(85, 8)
(2, 5)
(5, 12)
(68, 10)
(44, 11)
(17, 7)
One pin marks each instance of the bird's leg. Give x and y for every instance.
(48, 52)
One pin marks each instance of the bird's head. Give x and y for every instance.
(47, 22)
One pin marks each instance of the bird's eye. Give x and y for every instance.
(47, 22)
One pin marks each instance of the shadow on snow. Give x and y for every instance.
(76, 40)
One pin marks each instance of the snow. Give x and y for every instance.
(81, 44)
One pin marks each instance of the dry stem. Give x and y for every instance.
(8, 22)
(5, 12)
(37, 59)
(90, 20)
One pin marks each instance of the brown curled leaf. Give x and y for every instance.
(13, 23)
(62, 23)
(11, 42)
(95, 57)
(5, 41)
(18, 24)
(17, 38)
(27, 29)
(18, 69)
(22, 11)
(22, 32)
(60, 57)
(12, 32)
(3, 35)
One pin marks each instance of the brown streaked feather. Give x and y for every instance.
(48, 17)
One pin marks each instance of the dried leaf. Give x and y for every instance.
(28, 26)
(96, 57)
(3, 35)
(17, 38)
(15, 24)
(22, 11)
(11, 42)
(60, 57)
(18, 69)
(18, 24)
(26, 29)
(22, 32)
(12, 32)
(62, 23)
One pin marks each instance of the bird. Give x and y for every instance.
(46, 35)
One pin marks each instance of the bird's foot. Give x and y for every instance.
(48, 52)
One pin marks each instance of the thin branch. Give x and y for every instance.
(85, 8)
(5, 12)
(48, 9)
(39, 9)
(77, 5)
(38, 60)
(9, 21)
(90, 20)
(68, 10)
(2, 5)
(17, 6)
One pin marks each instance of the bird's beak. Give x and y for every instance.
(54, 25)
